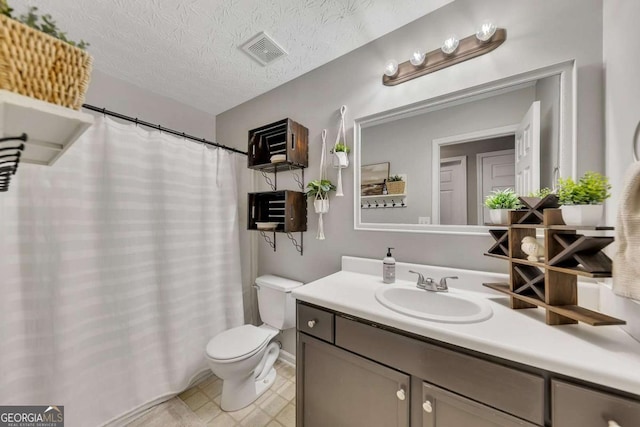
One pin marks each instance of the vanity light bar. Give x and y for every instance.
(467, 48)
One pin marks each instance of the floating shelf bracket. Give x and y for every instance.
(299, 179)
(271, 183)
(271, 242)
(295, 243)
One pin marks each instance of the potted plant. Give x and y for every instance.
(319, 189)
(395, 185)
(541, 193)
(340, 155)
(582, 202)
(500, 202)
(38, 60)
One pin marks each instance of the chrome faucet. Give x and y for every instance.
(429, 284)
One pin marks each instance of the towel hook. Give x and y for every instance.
(636, 138)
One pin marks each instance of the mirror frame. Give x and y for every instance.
(567, 136)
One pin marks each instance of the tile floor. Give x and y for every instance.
(275, 408)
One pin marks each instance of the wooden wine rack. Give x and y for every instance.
(553, 283)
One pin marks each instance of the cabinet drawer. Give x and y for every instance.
(517, 393)
(315, 322)
(443, 408)
(576, 406)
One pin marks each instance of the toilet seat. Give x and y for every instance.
(238, 343)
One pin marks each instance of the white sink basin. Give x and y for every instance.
(446, 307)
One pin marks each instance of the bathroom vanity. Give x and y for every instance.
(360, 363)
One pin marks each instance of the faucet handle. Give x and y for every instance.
(420, 276)
(443, 281)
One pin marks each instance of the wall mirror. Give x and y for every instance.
(450, 152)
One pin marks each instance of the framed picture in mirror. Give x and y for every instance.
(373, 178)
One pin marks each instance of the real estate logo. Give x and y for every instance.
(32, 416)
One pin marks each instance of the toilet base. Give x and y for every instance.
(237, 394)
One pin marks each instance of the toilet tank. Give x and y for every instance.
(276, 304)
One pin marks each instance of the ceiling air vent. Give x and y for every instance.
(263, 49)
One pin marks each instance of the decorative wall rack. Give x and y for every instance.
(388, 201)
(551, 283)
(469, 47)
(273, 148)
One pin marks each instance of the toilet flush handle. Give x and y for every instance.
(256, 287)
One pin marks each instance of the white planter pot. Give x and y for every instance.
(321, 206)
(499, 216)
(582, 214)
(340, 159)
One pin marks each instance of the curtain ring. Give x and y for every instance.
(159, 128)
(136, 122)
(104, 112)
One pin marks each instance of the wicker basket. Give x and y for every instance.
(395, 187)
(37, 65)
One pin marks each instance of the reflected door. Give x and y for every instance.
(453, 191)
(528, 152)
(496, 171)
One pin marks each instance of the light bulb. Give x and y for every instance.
(450, 45)
(391, 68)
(486, 31)
(417, 58)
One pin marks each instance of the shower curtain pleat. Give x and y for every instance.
(117, 265)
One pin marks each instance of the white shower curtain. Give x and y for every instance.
(117, 265)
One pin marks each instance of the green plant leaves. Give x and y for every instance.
(47, 26)
(591, 189)
(502, 199)
(340, 147)
(319, 187)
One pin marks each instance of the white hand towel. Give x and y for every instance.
(626, 264)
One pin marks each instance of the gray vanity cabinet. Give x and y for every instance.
(345, 390)
(353, 372)
(442, 408)
(576, 406)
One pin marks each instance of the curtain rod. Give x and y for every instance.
(135, 120)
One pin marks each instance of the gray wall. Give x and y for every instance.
(407, 145)
(117, 95)
(540, 33)
(470, 150)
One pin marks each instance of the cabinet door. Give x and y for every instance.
(576, 406)
(339, 389)
(441, 408)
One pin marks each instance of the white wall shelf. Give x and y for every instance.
(384, 196)
(51, 129)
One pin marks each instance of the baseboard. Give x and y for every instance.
(287, 357)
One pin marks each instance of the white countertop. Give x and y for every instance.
(604, 355)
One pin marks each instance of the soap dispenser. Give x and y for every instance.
(389, 268)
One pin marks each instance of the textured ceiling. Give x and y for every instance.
(188, 50)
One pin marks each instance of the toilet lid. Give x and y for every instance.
(237, 342)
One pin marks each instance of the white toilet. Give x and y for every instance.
(243, 357)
